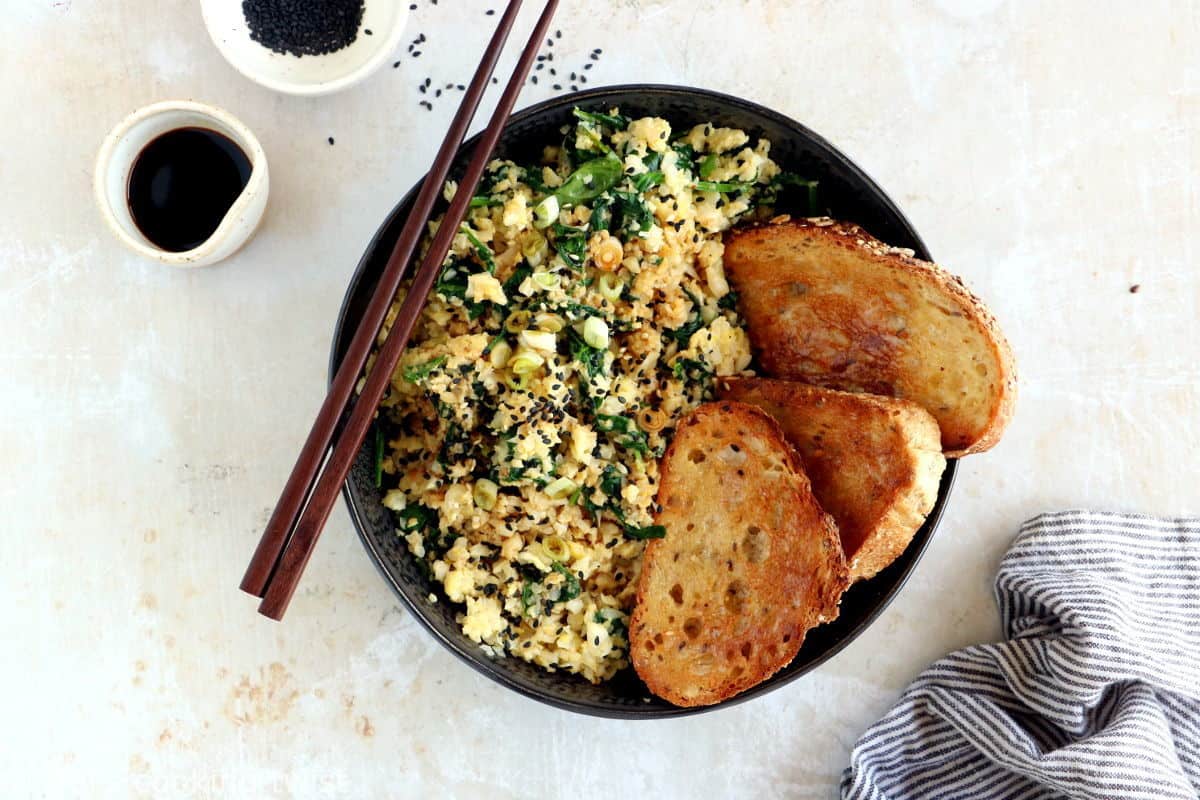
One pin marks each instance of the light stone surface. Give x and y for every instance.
(1048, 152)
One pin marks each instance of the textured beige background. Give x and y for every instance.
(1046, 151)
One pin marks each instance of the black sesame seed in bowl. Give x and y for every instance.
(306, 47)
(304, 27)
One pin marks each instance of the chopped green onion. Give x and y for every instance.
(525, 362)
(500, 354)
(551, 323)
(595, 332)
(545, 213)
(518, 383)
(543, 341)
(481, 201)
(708, 165)
(555, 548)
(535, 247)
(517, 321)
(611, 287)
(561, 487)
(485, 494)
(546, 280)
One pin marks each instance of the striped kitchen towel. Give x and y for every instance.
(1096, 693)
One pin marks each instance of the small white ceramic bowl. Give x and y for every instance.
(126, 141)
(307, 75)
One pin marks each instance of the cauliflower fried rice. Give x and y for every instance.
(583, 310)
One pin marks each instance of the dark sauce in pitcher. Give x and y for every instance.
(183, 183)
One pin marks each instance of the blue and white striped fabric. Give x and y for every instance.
(1096, 693)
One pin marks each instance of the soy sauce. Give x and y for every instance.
(183, 183)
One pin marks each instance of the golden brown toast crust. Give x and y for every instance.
(829, 305)
(874, 462)
(749, 564)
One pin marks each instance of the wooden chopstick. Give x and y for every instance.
(283, 582)
(341, 391)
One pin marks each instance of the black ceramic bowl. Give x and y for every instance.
(846, 192)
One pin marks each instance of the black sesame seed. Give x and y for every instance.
(303, 29)
(331, 140)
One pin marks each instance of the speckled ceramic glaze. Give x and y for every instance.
(847, 193)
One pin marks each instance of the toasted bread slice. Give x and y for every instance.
(829, 305)
(749, 564)
(874, 462)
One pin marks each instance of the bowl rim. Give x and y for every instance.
(491, 668)
(385, 47)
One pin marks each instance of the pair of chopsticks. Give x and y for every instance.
(312, 488)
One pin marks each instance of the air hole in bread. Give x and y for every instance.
(650, 646)
(747, 649)
(677, 594)
(735, 595)
(691, 526)
(757, 544)
(658, 638)
(696, 456)
(691, 627)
